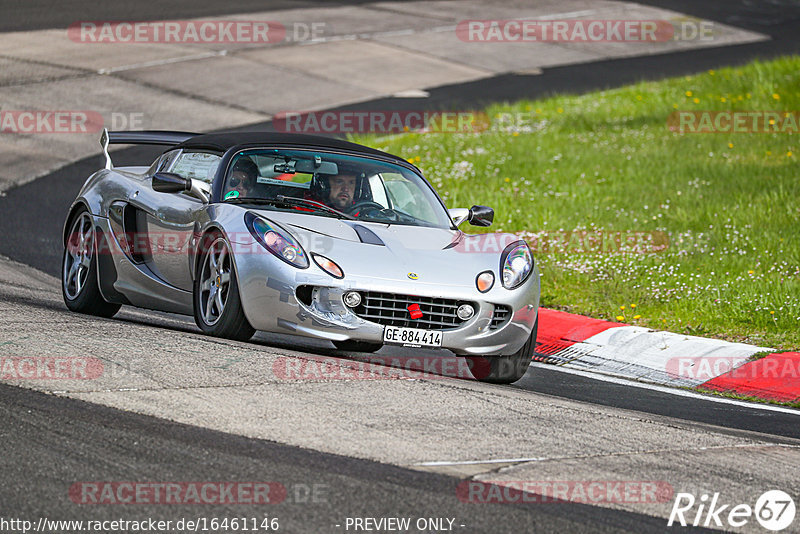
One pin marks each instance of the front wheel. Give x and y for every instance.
(217, 304)
(79, 284)
(504, 369)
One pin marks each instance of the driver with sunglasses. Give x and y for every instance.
(242, 179)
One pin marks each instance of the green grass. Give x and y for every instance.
(738, 396)
(607, 161)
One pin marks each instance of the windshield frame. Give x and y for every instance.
(227, 161)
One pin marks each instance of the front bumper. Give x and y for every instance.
(271, 304)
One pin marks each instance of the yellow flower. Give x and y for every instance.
(772, 312)
(769, 152)
(664, 321)
(772, 121)
(528, 107)
(560, 110)
(633, 305)
(417, 159)
(538, 110)
(789, 154)
(638, 97)
(776, 96)
(711, 72)
(620, 318)
(675, 106)
(730, 145)
(637, 316)
(723, 99)
(508, 179)
(622, 307)
(515, 134)
(750, 272)
(405, 128)
(688, 93)
(696, 100)
(410, 160)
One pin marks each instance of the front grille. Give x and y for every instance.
(392, 310)
(500, 316)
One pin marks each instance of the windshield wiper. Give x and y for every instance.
(249, 200)
(294, 201)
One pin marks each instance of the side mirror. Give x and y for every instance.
(169, 182)
(480, 216)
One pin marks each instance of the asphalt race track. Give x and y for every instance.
(50, 442)
(55, 442)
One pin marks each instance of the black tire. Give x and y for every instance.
(357, 346)
(229, 322)
(80, 288)
(504, 369)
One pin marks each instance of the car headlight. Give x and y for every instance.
(516, 264)
(276, 240)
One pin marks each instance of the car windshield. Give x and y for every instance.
(332, 185)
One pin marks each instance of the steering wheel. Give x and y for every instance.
(365, 204)
(371, 205)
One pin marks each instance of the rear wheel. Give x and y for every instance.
(504, 369)
(217, 304)
(79, 270)
(357, 346)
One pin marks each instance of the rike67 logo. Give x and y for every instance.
(774, 510)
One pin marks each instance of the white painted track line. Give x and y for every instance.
(595, 375)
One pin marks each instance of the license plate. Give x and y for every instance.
(411, 337)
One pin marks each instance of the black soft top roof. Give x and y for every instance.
(223, 141)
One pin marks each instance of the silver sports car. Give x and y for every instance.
(302, 235)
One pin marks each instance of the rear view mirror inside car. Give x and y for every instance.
(307, 166)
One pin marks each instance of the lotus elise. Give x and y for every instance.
(302, 235)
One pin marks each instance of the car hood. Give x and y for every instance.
(427, 255)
